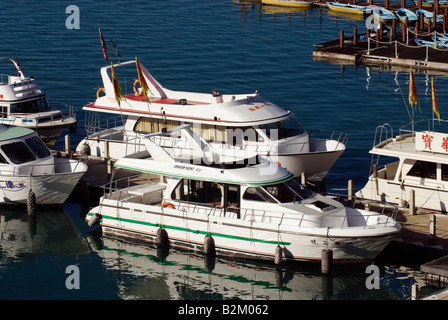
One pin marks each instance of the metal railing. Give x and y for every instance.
(121, 190)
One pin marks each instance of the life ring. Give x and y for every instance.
(169, 205)
(99, 91)
(137, 92)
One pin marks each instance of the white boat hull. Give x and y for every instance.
(243, 238)
(49, 189)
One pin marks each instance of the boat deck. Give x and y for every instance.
(161, 100)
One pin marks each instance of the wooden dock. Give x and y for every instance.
(392, 44)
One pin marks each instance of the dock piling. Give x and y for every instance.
(412, 203)
(303, 179)
(414, 292)
(68, 148)
(326, 261)
(350, 190)
(341, 39)
(432, 227)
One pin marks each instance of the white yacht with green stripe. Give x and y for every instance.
(244, 205)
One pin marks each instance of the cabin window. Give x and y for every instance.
(290, 191)
(2, 159)
(151, 125)
(3, 112)
(424, 169)
(206, 192)
(444, 172)
(209, 132)
(237, 136)
(282, 129)
(18, 152)
(38, 147)
(257, 194)
(31, 106)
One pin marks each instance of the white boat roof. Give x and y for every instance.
(12, 132)
(250, 170)
(246, 175)
(203, 107)
(18, 87)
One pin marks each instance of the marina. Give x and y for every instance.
(282, 85)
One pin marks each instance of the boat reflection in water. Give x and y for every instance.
(149, 272)
(49, 232)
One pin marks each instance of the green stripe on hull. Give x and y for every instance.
(193, 231)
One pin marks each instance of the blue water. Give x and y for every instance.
(196, 46)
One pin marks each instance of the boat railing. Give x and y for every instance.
(425, 125)
(4, 79)
(383, 217)
(383, 133)
(33, 169)
(94, 124)
(339, 136)
(69, 111)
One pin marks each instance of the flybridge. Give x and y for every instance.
(17, 87)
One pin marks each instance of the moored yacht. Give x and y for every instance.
(414, 160)
(244, 121)
(27, 164)
(249, 206)
(24, 104)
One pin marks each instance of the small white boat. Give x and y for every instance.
(430, 3)
(24, 104)
(241, 121)
(27, 164)
(244, 207)
(433, 44)
(428, 16)
(404, 13)
(413, 160)
(346, 8)
(383, 14)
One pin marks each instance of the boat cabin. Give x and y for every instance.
(24, 104)
(23, 152)
(416, 161)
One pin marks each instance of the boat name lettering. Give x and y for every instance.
(257, 107)
(432, 141)
(7, 184)
(186, 167)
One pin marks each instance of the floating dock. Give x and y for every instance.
(393, 44)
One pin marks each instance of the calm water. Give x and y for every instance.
(196, 46)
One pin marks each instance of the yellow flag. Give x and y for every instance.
(116, 84)
(413, 96)
(435, 108)
(142, 80)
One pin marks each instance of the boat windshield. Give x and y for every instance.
(18, 152)
(31, 106)
(38, 147)
(291, 191)
(282, 129)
